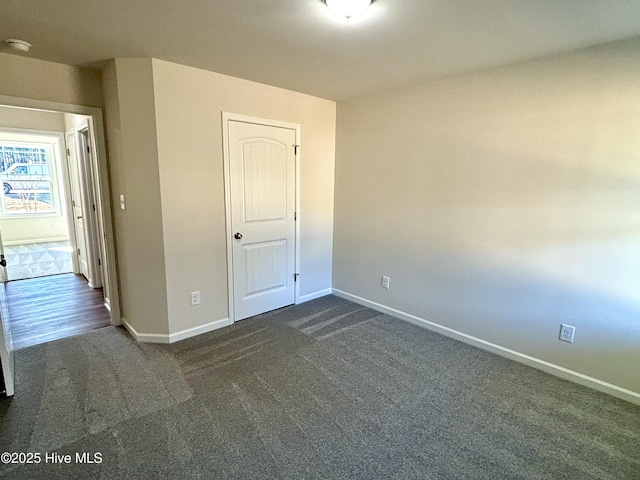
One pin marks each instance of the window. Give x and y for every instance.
(28, 163)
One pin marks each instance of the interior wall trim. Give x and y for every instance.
(553, 369)
(167, 338)
(314, 295)
(11, 243)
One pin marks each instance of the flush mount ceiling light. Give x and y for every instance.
(19, 45)
(348, 9)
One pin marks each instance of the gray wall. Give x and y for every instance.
(501, 204)
(134, 172)
(189, 103)
(53, 82)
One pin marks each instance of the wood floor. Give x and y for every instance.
(48, 308)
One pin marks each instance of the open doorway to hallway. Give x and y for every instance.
(49, 221)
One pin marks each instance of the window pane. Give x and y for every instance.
(28, 201)
(26, 179)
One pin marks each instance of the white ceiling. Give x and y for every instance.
(296, 44)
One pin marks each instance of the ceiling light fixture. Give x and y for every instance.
(19, 45)
(347, 9)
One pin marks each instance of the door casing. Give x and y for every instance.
(226, 118)
(6, 341)
(73, 183)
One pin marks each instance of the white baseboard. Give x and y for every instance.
(144, 337)
(38, 240)
(314, 295)
(565, 373)
(192, 332)
(176, 336)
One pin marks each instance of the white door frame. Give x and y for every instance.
(87, 200)
(68, 199)
(226, 118)
(7, 372)
(87, 192)
(101, 176)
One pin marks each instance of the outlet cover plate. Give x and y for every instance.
(195, 298)
(567, 332)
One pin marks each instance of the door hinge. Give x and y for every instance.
(94, 207)
(295, 216)
(295, 149)
(78, 252)
(295, 277)
(68, 152)
(99, 262)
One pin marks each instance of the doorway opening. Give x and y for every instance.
(55, 221)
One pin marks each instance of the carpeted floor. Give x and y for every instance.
(326, 389)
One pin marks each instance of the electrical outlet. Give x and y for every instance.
(385, 282)
(195, 298)
(567, 332)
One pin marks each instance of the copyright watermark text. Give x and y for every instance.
(22, 458)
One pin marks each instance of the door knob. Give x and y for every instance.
(238, 236)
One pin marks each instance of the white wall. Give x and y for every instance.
(28, 230)
(501, 204)
(17, 231)
(189, 103)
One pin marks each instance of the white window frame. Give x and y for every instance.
(53, 142)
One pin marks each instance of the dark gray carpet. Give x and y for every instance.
(325, 389)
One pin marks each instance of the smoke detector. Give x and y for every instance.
(18, 45)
